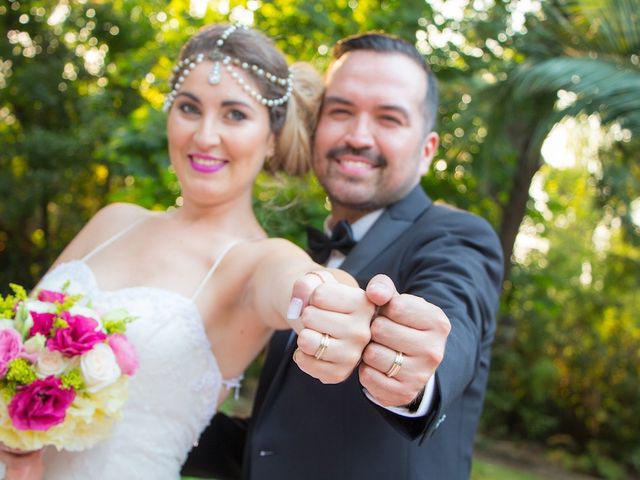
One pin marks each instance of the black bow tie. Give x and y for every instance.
(320, 245)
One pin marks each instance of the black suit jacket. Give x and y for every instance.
(301, 428)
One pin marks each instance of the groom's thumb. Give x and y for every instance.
(380, 290)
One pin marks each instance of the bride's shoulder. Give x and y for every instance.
(120, 213)
(117, 216)
(107, 222)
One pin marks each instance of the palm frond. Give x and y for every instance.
(600, 87)
(602, 27)
(616, 24)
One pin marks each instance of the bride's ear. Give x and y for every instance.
(271, 145)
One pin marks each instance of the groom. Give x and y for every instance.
(411, 408)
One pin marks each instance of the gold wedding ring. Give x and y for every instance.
(395, 366)
(324, 343)
(323, 275)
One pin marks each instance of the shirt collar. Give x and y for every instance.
(361, 226)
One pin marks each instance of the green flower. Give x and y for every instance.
(116, 321)
(8, 303)
(59, 322)
(20, 372)
(69, 302)
(73, 379)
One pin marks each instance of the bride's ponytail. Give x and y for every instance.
(294, 140)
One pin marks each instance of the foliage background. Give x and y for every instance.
(81, 85)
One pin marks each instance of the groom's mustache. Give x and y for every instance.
(377, 159)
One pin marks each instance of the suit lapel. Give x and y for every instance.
(392, 223)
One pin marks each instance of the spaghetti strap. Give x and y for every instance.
(213, 268)
(112, 239)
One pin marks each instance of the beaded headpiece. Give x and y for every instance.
(186, 65)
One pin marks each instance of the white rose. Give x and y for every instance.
(50, 363)
(99, 367)
(40, 307)
(35, 344)
(6, 323)
(85, 312)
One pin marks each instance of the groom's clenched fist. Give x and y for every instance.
(408, 338)
(335, 322)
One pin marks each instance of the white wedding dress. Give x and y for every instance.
(172, 396)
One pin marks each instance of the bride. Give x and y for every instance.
(206, 285)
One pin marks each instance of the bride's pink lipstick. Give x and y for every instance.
(204, 163)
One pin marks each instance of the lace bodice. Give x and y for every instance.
(172, 397)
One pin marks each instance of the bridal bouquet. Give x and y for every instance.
(63, 370)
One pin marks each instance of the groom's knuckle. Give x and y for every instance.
(308, 316)
(305, 340)
(352, 358)
(321, 296)
(434, 356)
(368, 356)
(367, 375)
(378, 327)
(362, 335)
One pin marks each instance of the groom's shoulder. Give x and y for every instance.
(452, 216)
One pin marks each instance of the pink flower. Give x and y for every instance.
(40, 405)
(10, 348)
(42, 323)
(51, 296)
(126, 355)
(79, 337)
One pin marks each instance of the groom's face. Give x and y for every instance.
(370, 148)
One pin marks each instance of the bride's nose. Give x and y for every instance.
(207, 133)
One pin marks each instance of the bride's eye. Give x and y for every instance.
(236, 115)
(188, 108)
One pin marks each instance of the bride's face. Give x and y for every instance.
(219, 136)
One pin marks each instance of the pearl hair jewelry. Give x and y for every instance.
(186, 66)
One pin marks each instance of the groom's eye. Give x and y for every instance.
(390, 120)
(339, 113)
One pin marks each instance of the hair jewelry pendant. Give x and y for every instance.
(215, 75)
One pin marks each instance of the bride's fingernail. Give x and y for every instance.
(295, 309)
